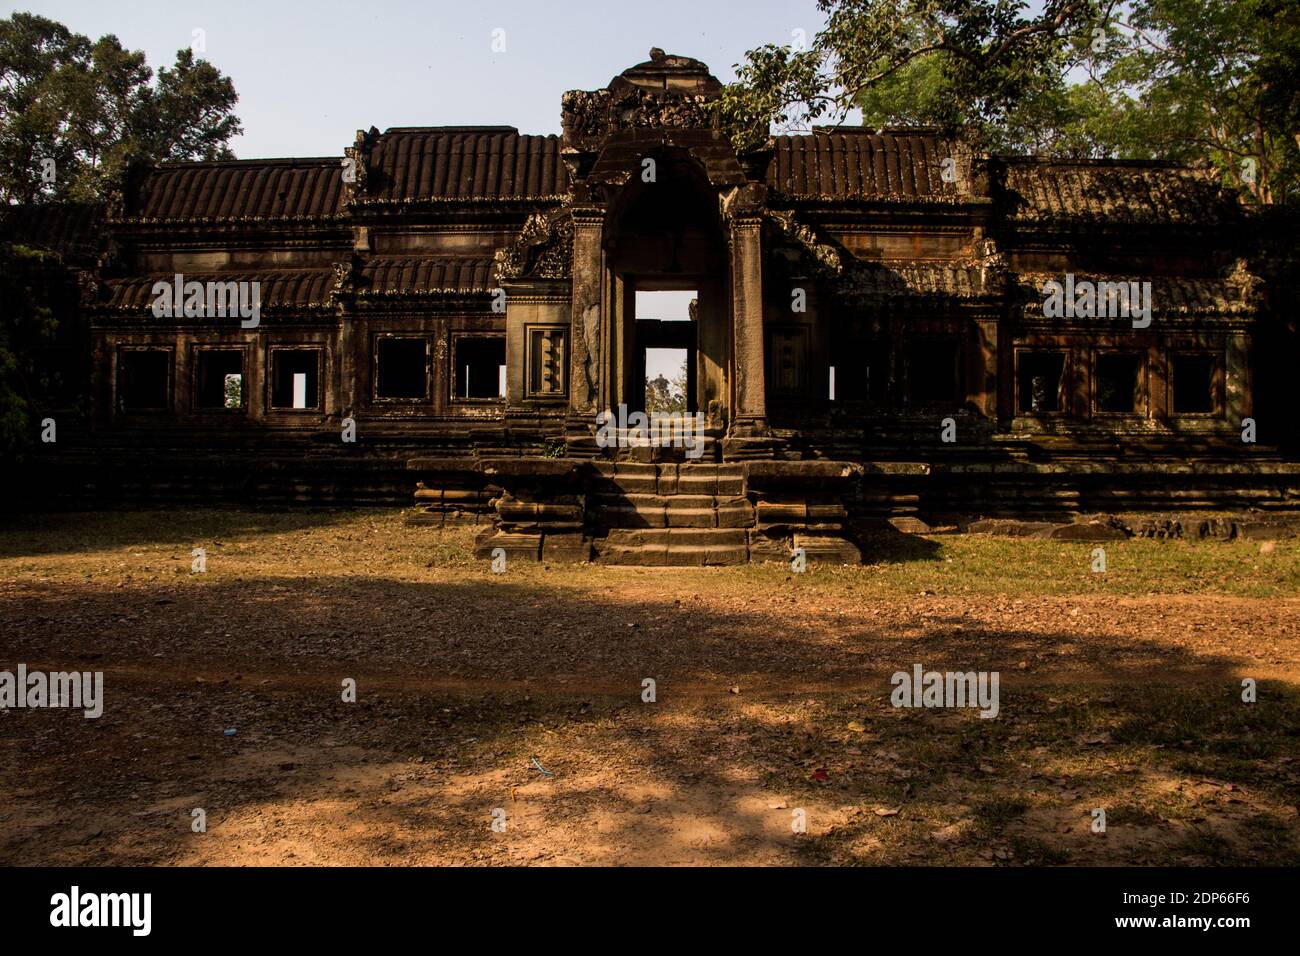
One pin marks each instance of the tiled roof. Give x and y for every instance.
(909, 279)
(303, 289)
(70, 229)
(443, 163)
(427, 276)
(1102, 190)
(1170, 295)
(240, 189)
(865, 165)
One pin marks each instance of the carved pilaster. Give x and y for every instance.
(749, 416)
(585, 353)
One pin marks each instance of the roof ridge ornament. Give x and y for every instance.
(356, 161)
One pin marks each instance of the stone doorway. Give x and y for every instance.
(665, 337)
(666, 256)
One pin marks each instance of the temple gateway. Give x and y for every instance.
(858, 325)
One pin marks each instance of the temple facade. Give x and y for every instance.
(882, 325)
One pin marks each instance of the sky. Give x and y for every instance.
(310, 74)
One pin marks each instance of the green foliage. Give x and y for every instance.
(1210, 81)
(1208, 84)
(664, 396)
(93, 106)
(969, 60)
(26, 324)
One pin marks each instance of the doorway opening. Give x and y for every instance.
(666, 342)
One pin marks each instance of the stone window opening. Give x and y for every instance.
(1040, 383)
(1118, 383)
(1194, 381)
(295, 378)
(219, 379)
(144, 380)
(401, 368)
(480, 368)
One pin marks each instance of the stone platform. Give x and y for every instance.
(645, 513)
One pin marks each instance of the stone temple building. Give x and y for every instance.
(446, 312)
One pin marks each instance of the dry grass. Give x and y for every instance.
(1120, 691)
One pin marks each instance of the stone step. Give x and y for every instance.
(625, 447)
(657, 537)
(669, 478)
(669, 511)
(568, 547)
(673, 547)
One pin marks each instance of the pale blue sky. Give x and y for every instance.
(310, 74)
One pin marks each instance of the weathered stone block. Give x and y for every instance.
(825, 550)
(522, 547)
(717, 556)
(567, 548)
(697, 480)
(706, 537)
(735, 513)
(1270, 530)
(782, 512)
(643, 555)
(826, 512)
(686, 556)
(909, 525)
(731, 485)
(1014, 529)
(1088, 531)
(541, 512)
(690, 512)
(667, 480)
(765, 548)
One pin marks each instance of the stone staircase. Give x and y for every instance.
(654, 513)
(669, 513)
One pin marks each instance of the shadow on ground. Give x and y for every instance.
(758, 715)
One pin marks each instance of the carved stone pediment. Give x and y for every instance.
(542, 250)
(804, 240)
(588, 116)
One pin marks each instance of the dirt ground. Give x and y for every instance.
(517, 699)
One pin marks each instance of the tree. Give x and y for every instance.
(664, 396)
(27, 324)
(1212, 80)
(74, 113)
(1189, 80)
(971, 60)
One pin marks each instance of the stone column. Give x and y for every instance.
(749, 409)
(983, 388)
(586, 347)
(1237, 389)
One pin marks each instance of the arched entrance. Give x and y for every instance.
(664, 235)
